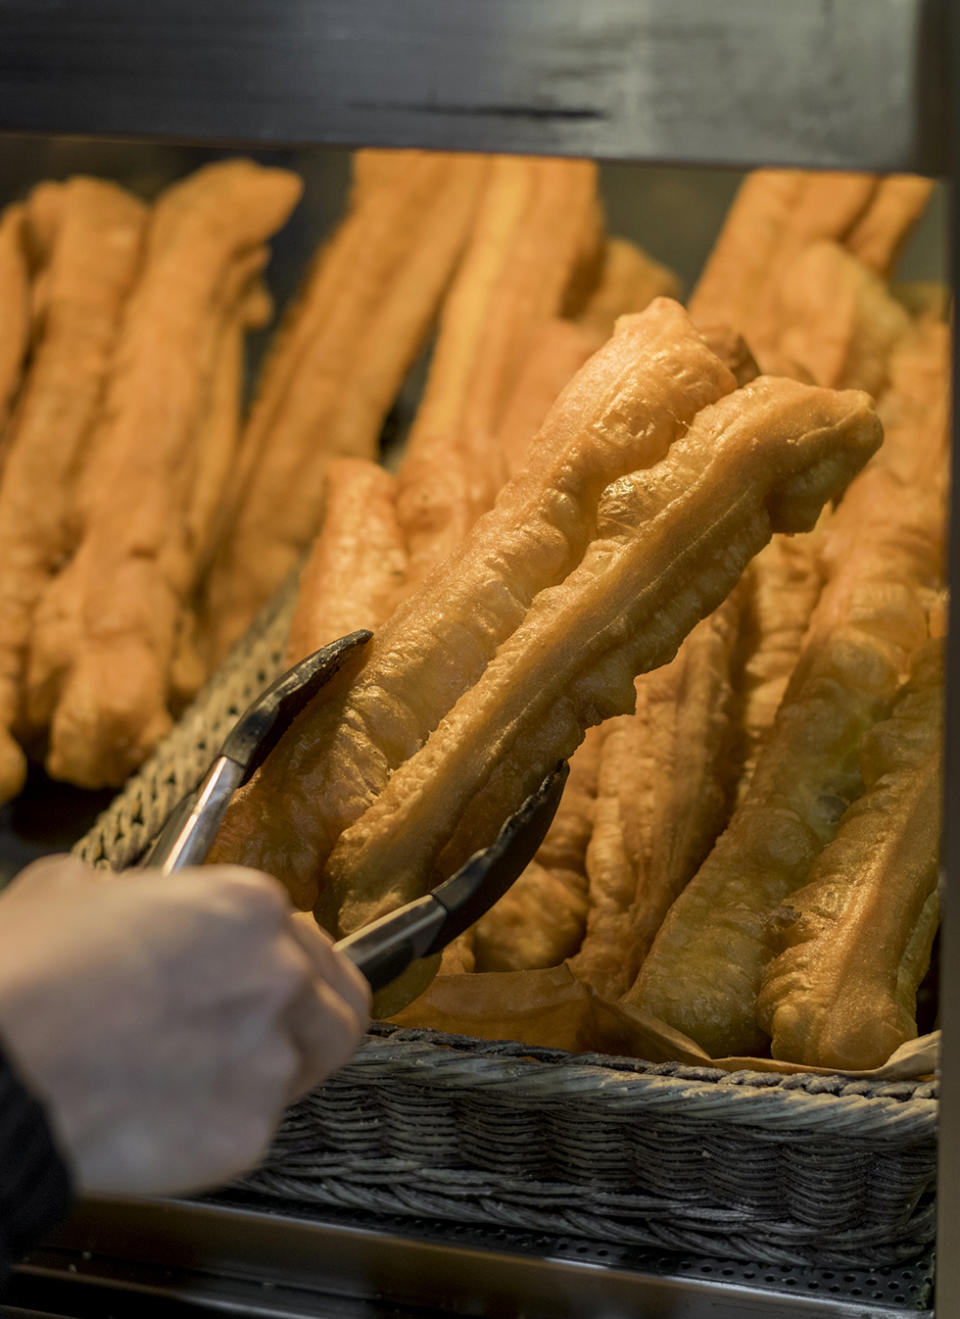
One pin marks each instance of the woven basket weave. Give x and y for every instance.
(785, 1170)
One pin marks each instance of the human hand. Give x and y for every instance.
(165, 1021)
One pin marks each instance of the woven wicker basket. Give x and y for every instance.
(780, 1169)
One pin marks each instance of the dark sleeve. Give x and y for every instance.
(35, 1188)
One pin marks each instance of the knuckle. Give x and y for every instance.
(252, 893)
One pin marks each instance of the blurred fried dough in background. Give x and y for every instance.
(91, 258)
(106, 626)
(336, 368)
(15, 320)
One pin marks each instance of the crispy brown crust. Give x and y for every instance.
(621, 412)
(768, 456)
(883, 558)
(92, 258)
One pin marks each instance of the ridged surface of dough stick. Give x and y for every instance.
(671, 544)
(91, 266)
(15, 313)
(618, 851)
(782, 586)
(621, 411)
(855, 940)
(692, 784)
(883, 560)
(106, 627)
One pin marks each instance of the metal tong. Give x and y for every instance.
(385, 948)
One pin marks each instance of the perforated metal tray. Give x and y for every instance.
(251, 1256)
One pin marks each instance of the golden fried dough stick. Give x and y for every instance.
(356, 572)
(558, 351)
(15, 302)
(856, 938)
(215, 449)
(105, 630)
(541, 919)
(879, 236)
(883, 557)
(692, 787)
(621, 412)
(915, 409)
(91, 267)
(782, 586)
(618, 849)
(775, 214)
(664, 797)
(339, 362)
(837, 318)
(629, 282)
(672, 542)
(525, 254)
(541, 924)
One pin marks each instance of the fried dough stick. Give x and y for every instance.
(837, 319)
(672, 542)
(357, 570)
(775, 216)
(91, 267)
(105, 631)
(621, 412)
(663, 796)
(541, 919)
(216, 449)
(526, 253)
(883, 559)
(856, 938)
(15, 319)
(557, 353)
(337, 367)
(782, 586)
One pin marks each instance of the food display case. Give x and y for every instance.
(432, 1217)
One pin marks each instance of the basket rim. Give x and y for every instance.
(900, 1110)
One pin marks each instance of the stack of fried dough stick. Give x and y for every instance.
(166, 520)
(116, 448)
(533, 629)
(781, 710)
